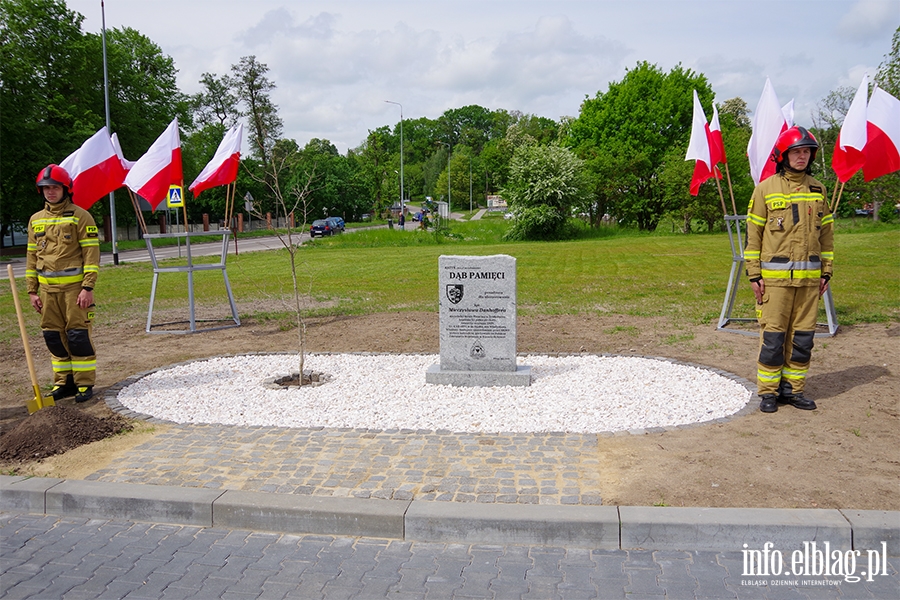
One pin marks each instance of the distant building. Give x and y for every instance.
(496, 203)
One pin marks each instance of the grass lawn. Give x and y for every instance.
(609, 271)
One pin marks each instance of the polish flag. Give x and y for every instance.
(126, 164)
(882, 149)
(848, 157)
(698, 148)
(768, 123)
(95, 169)
(716, 144)
(160, 167)
(223, 168)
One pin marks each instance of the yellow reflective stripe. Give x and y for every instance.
(756, 219)
(62, 366)
(827, 219)
(31, 247)
(763, 375)
(30, 273)
(797, 197)
(91, 269)
(81, 366)
(60, 280)
(794, 373)
(828, 255)
(791, 274)
(751, 254)
(89, 242)
(56, 221)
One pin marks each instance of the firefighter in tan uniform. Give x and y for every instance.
(789, 257)
(61, 270)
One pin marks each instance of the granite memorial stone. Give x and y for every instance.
(478, 322)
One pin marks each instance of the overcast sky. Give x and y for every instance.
(335, 62)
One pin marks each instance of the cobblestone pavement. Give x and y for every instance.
(43, 557)
(550, 468)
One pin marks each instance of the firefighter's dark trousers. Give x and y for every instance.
(67, 333)
(787, 319)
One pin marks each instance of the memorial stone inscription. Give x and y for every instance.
(478, 321)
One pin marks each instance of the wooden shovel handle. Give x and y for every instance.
(15, 295)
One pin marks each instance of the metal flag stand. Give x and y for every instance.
(737, 266)
(190, 268)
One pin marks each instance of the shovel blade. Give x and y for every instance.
(38, 402)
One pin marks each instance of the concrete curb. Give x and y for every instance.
(602, 527)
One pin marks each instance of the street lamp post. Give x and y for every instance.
(449, 154)
(402, 197)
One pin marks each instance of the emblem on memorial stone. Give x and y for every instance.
(477, 350)
(454, 292)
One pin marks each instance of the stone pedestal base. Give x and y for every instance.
(521, 377)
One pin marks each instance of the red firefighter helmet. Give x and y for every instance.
(795, 137)
(54, 175)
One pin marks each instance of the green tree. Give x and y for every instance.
(545, 183)
(253, 89)
(217, 103)
(45, 101)
(624, 133)
(888, 76)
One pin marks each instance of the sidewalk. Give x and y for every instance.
(247, 512)
(414, 485)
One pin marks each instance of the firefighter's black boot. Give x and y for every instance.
(67, 390)
(798, 400)
(85, 393)
(768, 403)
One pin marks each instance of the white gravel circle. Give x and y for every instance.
(578, 394)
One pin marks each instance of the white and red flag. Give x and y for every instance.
(223, 168)
(769, 121)
(160, 167)
(716, 143)
(848, 157)
(882, 149)
(126, 164)
(699, 149)
(95, 169)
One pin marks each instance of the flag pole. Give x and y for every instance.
(834, 203)
(721, 196)
(730, 190)
(112, 195)
(137, 211)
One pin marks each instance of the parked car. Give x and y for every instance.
(339, 222)
(322, 227)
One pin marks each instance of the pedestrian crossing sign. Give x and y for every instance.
(176, 196)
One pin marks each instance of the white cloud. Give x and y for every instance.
(868, 18)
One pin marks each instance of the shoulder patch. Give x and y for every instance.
(815, 189)
(69, 213)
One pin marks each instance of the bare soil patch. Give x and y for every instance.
(843, 455)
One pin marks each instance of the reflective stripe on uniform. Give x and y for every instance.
(796, 374)
(751, 254)
(31, 247)
(777, 198)
(56, 221)
(88, 242)
(828, 256)
(769, 376)
(91, 269)
(829, 218)
(61, 366)
(756, 219)
(794, 274)
(84, 365)
(73, 275)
